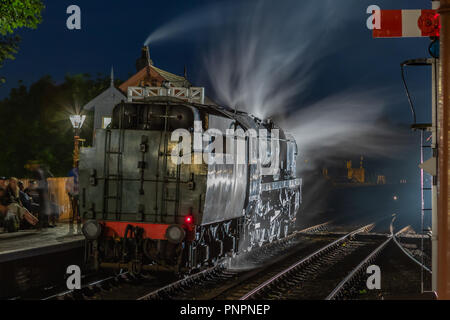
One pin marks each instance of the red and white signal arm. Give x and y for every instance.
(407, 23)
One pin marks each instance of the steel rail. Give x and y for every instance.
(334, 294)
(315, 228)
(195, 276)
(305, 260)
(356, 270)
(189, 278)
(394, 236)
(94, 283)
(410, 255)
(341, 286)
(180, 282)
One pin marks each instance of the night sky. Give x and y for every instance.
(113, 32)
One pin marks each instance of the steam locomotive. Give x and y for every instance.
(144, 211)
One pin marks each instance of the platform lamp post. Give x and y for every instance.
(77, 122)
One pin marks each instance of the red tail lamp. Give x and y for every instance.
(189, 219)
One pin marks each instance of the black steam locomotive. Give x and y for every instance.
(145, 211)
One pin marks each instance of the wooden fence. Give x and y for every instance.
(57, 194)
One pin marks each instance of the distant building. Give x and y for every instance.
(381, 179)
(356, 174)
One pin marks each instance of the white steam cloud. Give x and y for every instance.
(263, 57)
(347, 124)
(265, 60)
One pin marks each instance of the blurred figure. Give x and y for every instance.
(55, 211)
(40, 175)
(32, 191)
(72, 191)
(3, 182)
(33, 195)
(25, 199)
(3, 205)
(13, 191)
(4, 201)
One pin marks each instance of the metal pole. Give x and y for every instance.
(434, 220)
(422, 209)
(76, 149)
(75, 165)
(443, 285)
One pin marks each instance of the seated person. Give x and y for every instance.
(12, 191)
(24, 198)
(33, 193)
(3, 182)
(13, 215)
(3, 205)
(17, 217)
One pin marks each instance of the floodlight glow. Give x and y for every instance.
(77, 121)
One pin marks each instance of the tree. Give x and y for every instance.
(15, 14)
(35, 123)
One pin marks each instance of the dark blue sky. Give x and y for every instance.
(113, 32)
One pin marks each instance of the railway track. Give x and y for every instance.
(353, 282)
(416, 257)
(128, 286)
(308, 278)
(118, 286)
(227, 282)
(305, 265)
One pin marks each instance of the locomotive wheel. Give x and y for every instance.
(150, 249)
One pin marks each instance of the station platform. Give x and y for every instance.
(29, 243)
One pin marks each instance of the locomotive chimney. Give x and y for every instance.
(144, 60)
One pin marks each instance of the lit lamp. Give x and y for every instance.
(77, 122)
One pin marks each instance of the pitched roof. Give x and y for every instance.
(150, 73)
(169, 76)
(110, 93)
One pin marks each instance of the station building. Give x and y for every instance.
(147, 75)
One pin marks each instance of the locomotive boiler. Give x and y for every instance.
(145, 211)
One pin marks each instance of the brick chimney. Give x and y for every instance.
(144, 60)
